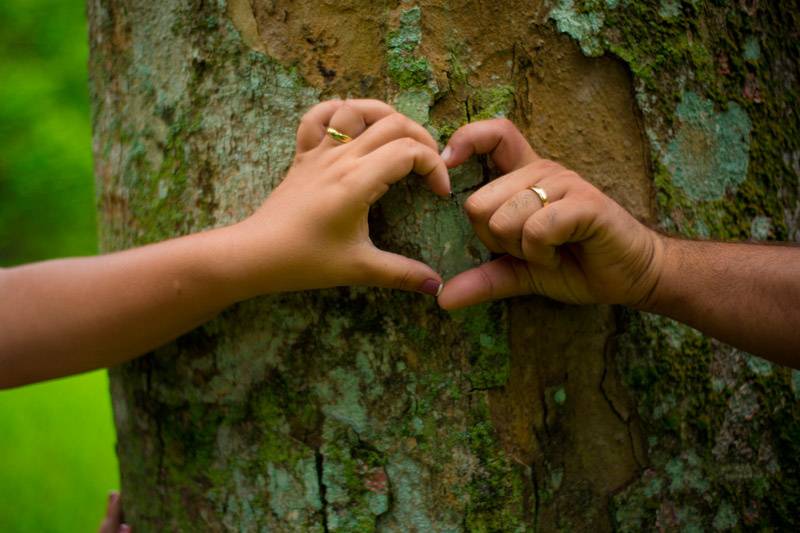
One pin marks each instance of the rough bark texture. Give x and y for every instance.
(360, 409)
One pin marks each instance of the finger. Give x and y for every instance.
(389, 128)
(501, 278)
(483, 204)
(312, 126)
(111, 521)
(505, 225)
(348, 121)
(125, 528)
(353, 117)
(314, 123)
(499, 138)
(396, 160)
(394, 271)
(557, 224)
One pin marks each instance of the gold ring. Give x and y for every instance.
(338, 136)
(541, 193)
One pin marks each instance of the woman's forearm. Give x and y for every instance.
(71, 315)
(747, 295)
(67, 316)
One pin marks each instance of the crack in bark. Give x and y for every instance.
(627, 421)
(606, 350)
(536, 499)
(545, 416)
(634, 448)
(322, 489)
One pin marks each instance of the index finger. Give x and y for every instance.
(311, 130)
(497, 137)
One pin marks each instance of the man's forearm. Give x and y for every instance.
(744, 294)
(71, 315)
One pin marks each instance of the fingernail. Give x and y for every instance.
(446, 154)
(431, 286)
(112, 497)
(124, 528)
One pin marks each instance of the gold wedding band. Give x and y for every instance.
(338, 136)
(541, 193)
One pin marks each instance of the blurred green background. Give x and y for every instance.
(57, 460)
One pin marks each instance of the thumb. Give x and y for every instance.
(501, 278)
(395, 271)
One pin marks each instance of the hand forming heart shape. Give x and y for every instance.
(581, 247)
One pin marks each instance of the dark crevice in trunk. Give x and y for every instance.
(322, 490)
(634, 448)
(607, 354)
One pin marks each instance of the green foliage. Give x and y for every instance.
(46, 198)
(56, 455)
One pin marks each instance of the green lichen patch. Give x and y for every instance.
(669, 9)
(760, 228)
(405, 66)
(415, 104)
(409, 486)
(709, 154)
(581, 25)
(752, 49)
(491, 102)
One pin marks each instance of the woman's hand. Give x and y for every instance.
(314, 225)
(581, 247)
(112, 521)
(71, 315)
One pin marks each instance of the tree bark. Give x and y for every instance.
(359, 409)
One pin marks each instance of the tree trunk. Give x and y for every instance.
(361, 409)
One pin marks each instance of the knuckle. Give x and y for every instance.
(533, 231)
(348, 169)
(299, 158)
(500, 225)
(570, 175)
(506, 126)
(408, 145)
(599, 207)
(397, 119)
(306, 121)
(548, 165)
(475, 209)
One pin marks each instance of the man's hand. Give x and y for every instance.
(316, 220)
(581, 247)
